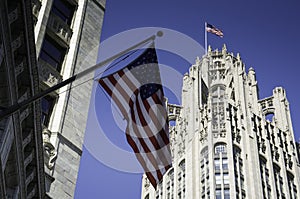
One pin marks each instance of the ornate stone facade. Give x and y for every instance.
(225, 141)
(67, 36)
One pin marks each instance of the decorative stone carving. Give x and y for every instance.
(50, 153)
(267, 105)
(16, 43)
(48, 74)
(146, 184)
(13, 15)
(173, 111)
(36, 7)
(60, 28)
(197, 61)
(19, 68)
(24, 114)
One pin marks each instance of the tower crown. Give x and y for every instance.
(222, 124)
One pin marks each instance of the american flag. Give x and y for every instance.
(212, 29)
(137, 91)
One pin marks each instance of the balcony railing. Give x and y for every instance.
(60, 28)
(48, 74)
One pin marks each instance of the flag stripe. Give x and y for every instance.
(153, 138)
(144, 146)
(115, 99)
(159, 136)
(106, 84)
(141, 160)
(129, 80)
(150, 124)
(153, 111)
(155, 98)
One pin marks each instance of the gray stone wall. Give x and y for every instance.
(70, 139)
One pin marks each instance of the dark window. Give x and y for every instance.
(225, 164)
(63, 10)
(52, 53)
(217, 165)
(218, 194)
(47, 106)
(226, 194)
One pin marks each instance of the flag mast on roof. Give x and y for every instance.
(212, 29)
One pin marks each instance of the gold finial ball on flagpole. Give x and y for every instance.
(160, 33)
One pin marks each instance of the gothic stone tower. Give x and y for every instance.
(226, 142)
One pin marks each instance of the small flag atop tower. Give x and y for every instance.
(212, 29)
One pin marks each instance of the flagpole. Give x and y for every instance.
(15, 107)
(205, 37)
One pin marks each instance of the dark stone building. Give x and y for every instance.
(21, 148)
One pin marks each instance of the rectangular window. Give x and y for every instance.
(217, 165)
(47, 106)
(225, 164)
(226, 194)
(52, 53)
(218, 194)
(63, 10)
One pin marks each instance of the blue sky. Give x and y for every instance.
(265, 33)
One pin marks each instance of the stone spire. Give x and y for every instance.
(197, 60)
(209, 50)
(238, 56)
(224, 49)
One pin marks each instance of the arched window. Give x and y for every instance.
(221, 171)
(220, 148)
